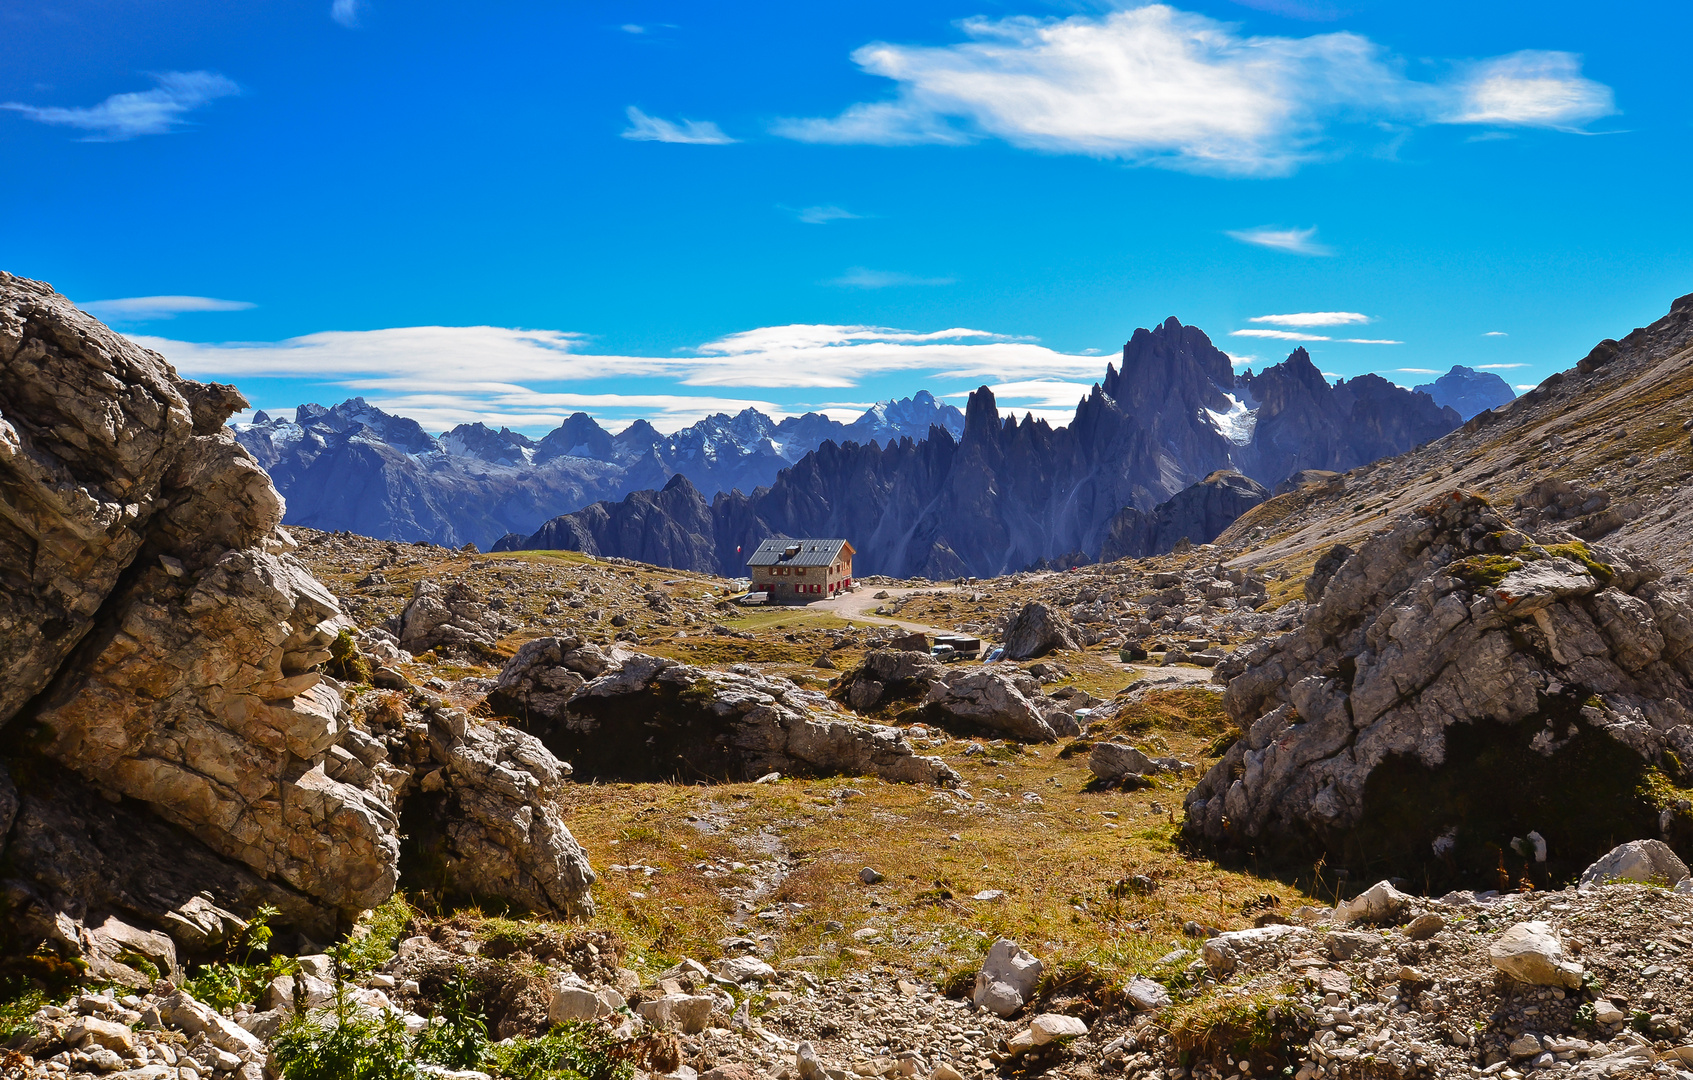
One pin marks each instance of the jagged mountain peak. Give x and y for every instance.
(1468, 391)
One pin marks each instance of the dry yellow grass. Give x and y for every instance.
(1078, 885)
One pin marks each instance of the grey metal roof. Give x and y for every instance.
(773, 552)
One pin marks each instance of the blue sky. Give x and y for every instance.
(510, 211)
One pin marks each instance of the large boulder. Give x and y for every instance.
(1038, 630)
(484, 807)
(1456, 685)
(997, 698)
(165, 651)
(453, 618)
(648, 717)
(1638, 860)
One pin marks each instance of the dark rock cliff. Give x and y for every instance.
(1009, 493)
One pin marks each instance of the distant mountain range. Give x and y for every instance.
(1006, 494)
(357, 468)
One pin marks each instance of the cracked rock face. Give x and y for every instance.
(177, 655)
(1456, 685)
(647, 717)
(163, 646)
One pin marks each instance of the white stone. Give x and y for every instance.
(685, 1012)
(1050, 1027)
(1380, 903)
(1008, 978)
(738, 969)
(1637, 860)
(573, 1002)
(1530, 952)
(1147, 995)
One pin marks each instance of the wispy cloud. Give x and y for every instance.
(1279, 335)
(1313, 318)
(1416, 370)
(434, 359)
(1498, 367)
(1525, 386)
(633, 28)
(1156, 85)
(158, 111)
(1296, 335)
(860, 278)
(822, 215)
(1528, 89)
(145, 308)
(1292, 241)
(346, 12)
(1495, 333)
(644, 128)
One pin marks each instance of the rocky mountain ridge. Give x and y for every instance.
(355, 467)
(1011, 493)
(1617, 420)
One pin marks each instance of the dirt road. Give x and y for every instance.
(858, 605)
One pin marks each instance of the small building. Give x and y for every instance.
(800, 571)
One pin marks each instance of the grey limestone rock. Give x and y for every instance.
(1038, 630)
(651, 717)
(1453, 626)
(166, 651)
(1637, 860)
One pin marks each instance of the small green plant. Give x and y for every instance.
(373, 940)
(345, 662)
(458, 1037)
(16, 1009)
(225, 984)
(344, 1042)
(577, 1050)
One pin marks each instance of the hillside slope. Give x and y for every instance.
(1618, 421)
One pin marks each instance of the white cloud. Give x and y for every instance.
(1498, 367)
(860, 278)
(1525, 386)
(158, 111)
(1292, 241)
(142, 308)
(433, 359)
(1279, 335)
(1529, 89)
(822, 215)
(1495, 333)
(1417, 370)
(1369, 341)
(346, 12)
(1313, 318)
(1036, 393)
(644, 128)
(1153, 84)
(633, 28)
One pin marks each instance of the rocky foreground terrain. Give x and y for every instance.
(310, 804)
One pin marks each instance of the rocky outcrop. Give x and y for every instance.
(998, 698)
(1010, 493)
(1457, 686)
(1038, 630)
(1197, 514)
(168, 652)
(481, 803)
(454, 619)
(647, 717)
(1467, 391)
